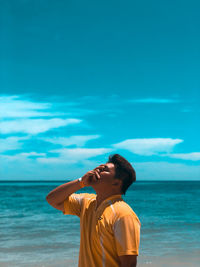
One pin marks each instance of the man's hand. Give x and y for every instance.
(128, 260)
(91, 177)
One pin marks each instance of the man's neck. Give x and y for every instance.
(102, 196)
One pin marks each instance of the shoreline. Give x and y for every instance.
(179, 260)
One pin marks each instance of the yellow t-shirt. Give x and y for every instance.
(110, 231)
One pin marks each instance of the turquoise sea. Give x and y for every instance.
(32, 233)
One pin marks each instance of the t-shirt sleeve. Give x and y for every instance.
(127, 235)
(73, 204)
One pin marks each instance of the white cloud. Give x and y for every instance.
(22, 156)
(21, 107)
(14, 107)
(78, 140)
(148, 146)
(166, 171)
(11, 143)
(28, 168)
(33, 126)
(74, 155)
(194, 156)
(17, 112)
(154, 100)
(33, 154)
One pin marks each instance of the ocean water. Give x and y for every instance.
(32, 233)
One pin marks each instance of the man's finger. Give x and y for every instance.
(101, 167)
(97, 174)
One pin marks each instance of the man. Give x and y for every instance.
(110, 229)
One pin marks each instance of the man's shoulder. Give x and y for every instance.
(84, 195)
(123, 209)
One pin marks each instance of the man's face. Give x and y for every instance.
(106, 172)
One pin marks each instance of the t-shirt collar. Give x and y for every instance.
(108, 199)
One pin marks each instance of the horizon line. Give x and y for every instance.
(31, 181)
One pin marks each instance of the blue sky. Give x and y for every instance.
(82, 80)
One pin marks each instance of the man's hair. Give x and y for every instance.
(123, 171)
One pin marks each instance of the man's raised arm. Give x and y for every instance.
(60, 193)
